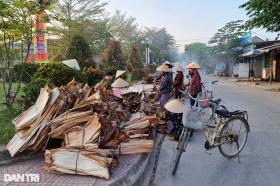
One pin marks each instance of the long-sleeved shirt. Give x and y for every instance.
(166, 84)
(195, 84)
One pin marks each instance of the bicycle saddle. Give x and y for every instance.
(216, 100)
(222, 112)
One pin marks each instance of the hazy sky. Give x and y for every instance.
(188, 20)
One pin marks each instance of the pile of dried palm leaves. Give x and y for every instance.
(95, 127)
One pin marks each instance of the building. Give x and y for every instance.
(256, 59)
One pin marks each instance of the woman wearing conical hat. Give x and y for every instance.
(178, 84)
(119, 87)
(174, 118)
(165, 85)
(195, 83)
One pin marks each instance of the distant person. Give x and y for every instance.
(120, 74)
(178, 84)
(194, 86)
(165, 85)
(170, 66)
(119, 87)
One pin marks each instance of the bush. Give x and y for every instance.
(136, 74)
(81, 51)
(113, 56)
(107, 69)
(153, 68)
(134, 58)
(94, 76)
(59, 74)
(29, 69)
(32, 90)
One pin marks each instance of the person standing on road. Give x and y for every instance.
(165, 88)
(178, 84)
(195, 83)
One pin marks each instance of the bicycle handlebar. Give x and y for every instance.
(191, 97)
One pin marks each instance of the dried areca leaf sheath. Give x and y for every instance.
(80, 136)
(136, 146)
(138, 125)
(25, 139)
(27, 117)
(77, 162)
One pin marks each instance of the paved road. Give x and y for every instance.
(260, 159)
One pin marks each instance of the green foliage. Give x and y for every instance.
(228, 37)
(153, 68)
(59, 74)
(161, 43)
(134, 59)
(32, 90)
(109, 70)
(80, 50)
(199, 52)
(82, 17)
(124, 27)
(27, 70)
(94, 76)
(263, 13)
(113, 57)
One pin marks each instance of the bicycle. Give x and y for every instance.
(220, 120)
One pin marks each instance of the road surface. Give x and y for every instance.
(260, 159)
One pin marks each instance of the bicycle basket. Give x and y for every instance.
(196, 118)
(205, 97)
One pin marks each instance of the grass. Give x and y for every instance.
(7, 129)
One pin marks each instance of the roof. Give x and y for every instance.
(252, 53)
(269, 48)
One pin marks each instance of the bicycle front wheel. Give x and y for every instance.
(182, 143)
(233, 136)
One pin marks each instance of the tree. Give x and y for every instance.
(80, 50)
(263, 13)
(16, 22)
(198, 52)
(124, 28)
(112, 57)
(84, 17)
(226, 42)
(162, 44)
(134, 59)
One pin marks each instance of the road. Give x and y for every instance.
(260, 159)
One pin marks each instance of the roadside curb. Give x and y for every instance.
(136, 175)
(5, 157)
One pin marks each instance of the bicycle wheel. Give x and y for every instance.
(182, 143)
(233, 136)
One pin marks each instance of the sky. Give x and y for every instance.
(187, 20)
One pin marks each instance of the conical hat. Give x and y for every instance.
(175, 106)
(120, 83)
(119, 73)
(169, 64)
(193, 65)
(163, 68)
(72, 63)
(178, 67)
